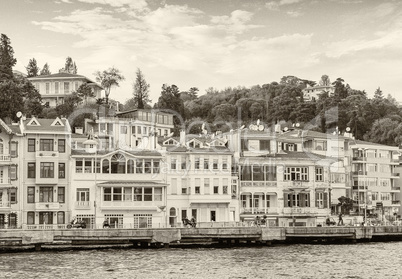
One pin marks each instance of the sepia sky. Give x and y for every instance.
(212, 43)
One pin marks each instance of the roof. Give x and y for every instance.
(5, 127)
(57, 125)
(298, 155)
(303, 134)
(361, 142)
(138, 153)
(63, 76)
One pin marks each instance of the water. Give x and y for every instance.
(366, 260)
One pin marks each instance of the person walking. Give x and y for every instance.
(340, 222)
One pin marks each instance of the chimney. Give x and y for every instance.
(183, 137)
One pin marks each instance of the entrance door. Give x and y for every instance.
(172, 217)
(213, 216)
(12, 221)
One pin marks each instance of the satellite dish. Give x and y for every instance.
(250, 126)
(285, 129)
(297, 124)
(19, 114)
(261, 127)
(347, 129)
(242, 127)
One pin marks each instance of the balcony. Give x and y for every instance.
(396, 203)
(5, 204)
(5, 181)
(300, 211)
(82, 205)
(395, 189)
(359, 158)
(45, 206)
(251, 210)
(258, 184)
(5, 158)
(360, 187)
(52, 154)
(359, 173)
(396, 174)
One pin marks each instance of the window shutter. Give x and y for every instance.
(316, 200)
(325, 200)
(285, 200)
(13, 172)
(14, 149)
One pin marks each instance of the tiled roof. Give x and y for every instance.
(141, 153)
(58, 75)
(45, 125)
(355, 142)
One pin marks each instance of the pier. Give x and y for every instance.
(166, 237)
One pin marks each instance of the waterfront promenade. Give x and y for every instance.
(164, 237)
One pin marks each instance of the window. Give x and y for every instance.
(45, 217)
(46, 170)
(88, 166)
(107, 194)
(225, 164)
(173, 164)
(156, 167)
(30, 217)
(66, 87)
(137, 194)
(142, 221)
(46, 145)
(215, 164)
(105, 166)
(82, 194)
(62, 170)
(206, 186)
(296, 174)
(12, 195)
(31, 170)
(225, 186)
(78, 165)
(61, 194)
(56, 88)
(45, 194)
(13, 172)
(31, 194)
(47, 87)
(147, 166)
(216, 185)
(61, 145)
(206, 164)
(197, 185)
(31, 145)
(157, 194)
(60, 217)
(130, 166)
(183, 163)
(319, 176)
(184, 187)
(197, 163)
(139, 166)
(117, 193)
(14, 149)
(147, 194)
(123, 130)
(321, 199)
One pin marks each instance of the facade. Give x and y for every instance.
(10, 168)
(311, 93)
(375, 179)
(56, 87)
(200, 179)
(45, 175)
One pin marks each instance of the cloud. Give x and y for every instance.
(133, 4)
(274, 5)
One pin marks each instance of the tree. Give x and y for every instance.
(32, 68)
(45, 70)
(346, 204)
(84, 92)
(70, 103)
(108, 79)
(7, 60)
(11, 100)
(324, 81)
(32, 100)
(170, 99)
(69, 67)
(140, 90)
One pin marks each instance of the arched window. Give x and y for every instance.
(172, 211)
(130, 166)
(118, 163)
(105, 166)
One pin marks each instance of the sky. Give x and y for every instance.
(212, 43)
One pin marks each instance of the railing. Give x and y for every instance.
(395, 202)
(359, 158)
(83, 204)
(5, 204)
(251, 210)
(300, 210)
(395, 188)
(47, 154)
(5, 181)
(359, 173)
(5, 158)
(395, 174)
(47, 205)
(359, 187)
(258, 184)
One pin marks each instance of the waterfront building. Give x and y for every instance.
(279, 180)
(55, 88)
(45, 175)
(374, 179)
(117, 173)
(200, 179)
(10, 175)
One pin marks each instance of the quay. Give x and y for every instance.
(166, 237)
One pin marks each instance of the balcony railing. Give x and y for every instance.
(258, 184)
(82, 204)
(359, 158)
(4, 204)
(5, 181)
(395, 188)
(395, 202)
(300, 210)
(251, 210)
(47, 205)
(395, 174)
(359, 173)
(5, 158)
(360, 187)
(47, 154)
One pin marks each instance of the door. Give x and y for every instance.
(213, 216)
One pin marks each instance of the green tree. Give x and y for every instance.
(109, 78)
(45, 70)
(140, 90)
(7, 60)
(32, 68)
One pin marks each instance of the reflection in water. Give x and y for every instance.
(368, 260)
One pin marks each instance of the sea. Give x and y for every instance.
(360, 260)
